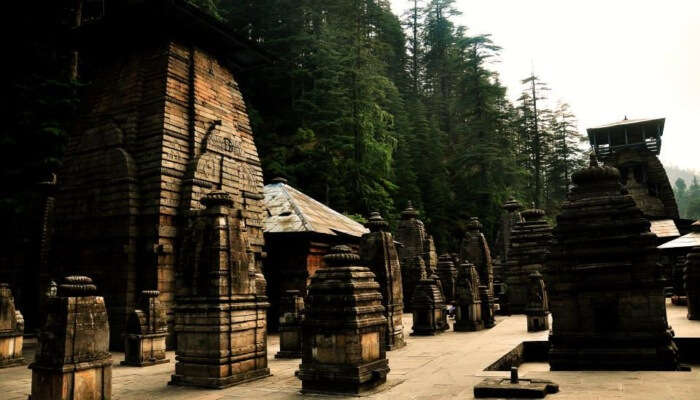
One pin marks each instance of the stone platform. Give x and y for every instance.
(432, 367)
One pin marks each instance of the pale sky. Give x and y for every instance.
(606, 58)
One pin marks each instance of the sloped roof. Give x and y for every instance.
(690, 240)
(664, 228)
(630, 122)
(289, 210)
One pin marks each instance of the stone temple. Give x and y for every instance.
(606, 290)
(412, 239)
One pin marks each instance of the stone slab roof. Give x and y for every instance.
(289, 210)
(664, 228)
(690, 240)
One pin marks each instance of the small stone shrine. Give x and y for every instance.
(11, 329)
(220, 321)
(146, 329)
(291, 318)
(529, 245)
(692, 283)
(509, 218)
(606, 292)
(475, 249)
(537, 309)
(448, 277)
(468, 302)
(412, 237)
(344, 345)
(377, 251)
(514, 387)
(429, 308)
(487, 307)
(73, 360)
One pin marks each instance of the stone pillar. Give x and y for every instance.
(73, 360)
(344, 329)
(291, 318)
(220, 322)
(377, 251)
(429, 308)
(11, 329)
(146, 331)
(537, 309)
(692, 283)
(468, 303)
(529, 245)
(412, 237)
(475, 249)
(606, 291)
(448, 277)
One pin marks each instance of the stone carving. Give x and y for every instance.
(229, 346)
(692, 283)
(475, 249)
(529, 245)
(11, 329)
(291, 318)
(468, 301)
(537, 309)
(509, 218)
(448, 277)
(606, 292)
(430, 256)
(487, 307)
(146, 329)
(344, 345)
(377, 251)
(429, 308)
(73, 360)
(412, 236)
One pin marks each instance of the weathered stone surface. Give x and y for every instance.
(430, 255)
(429, 308)
(146, 329)
(605, 288)
(291, 318)
(73, 360)
(514, 387)
(529, 245)
(537, 309)
(510, 217)
(487, 307)
(11, 329)
(692, 283)
(344, 344)
(468, 300)
(220, 319)
(412, 237)
(377, 251)
(448, 277)
(475, 249)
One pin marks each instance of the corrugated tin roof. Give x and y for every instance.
(690, 240)
(664, 228)
(289, 210)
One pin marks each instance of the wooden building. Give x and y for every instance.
(299, 231)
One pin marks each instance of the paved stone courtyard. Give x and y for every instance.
(437, 367)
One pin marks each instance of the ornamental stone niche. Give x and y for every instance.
(448, 277)
(291, 317)
(475, 249)
(606, 291)
(146, 329)
(162, 123)
(11, 330)
(529, 245)
(220, 321)
(73, 360)
(692, 282)
(537, 310)
(344, 344)
(377, 251)
(429, 308)
(412, 236)
(468, 302)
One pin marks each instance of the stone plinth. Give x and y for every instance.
(467, 300)
(475, 249)
(73, 360)
(291, 317)
(377, 251)
(692, 283)
(448, 277)
(11, 329)
(344, 344)
(146, 330)
(514, 387)
(429, 308)
(412, 237)
(529, 246)
(220, 320)
(537, 309)
(606, 291)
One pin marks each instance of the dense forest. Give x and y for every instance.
(688, 197)
(358, 107)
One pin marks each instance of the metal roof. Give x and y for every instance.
(690, 240)
(664, 228)
(289, 210)
(630, 122)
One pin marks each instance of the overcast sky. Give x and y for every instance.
(606, 58)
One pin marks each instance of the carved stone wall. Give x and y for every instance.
(11, 330)
(412, 237)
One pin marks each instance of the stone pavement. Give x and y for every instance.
(436, 367)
